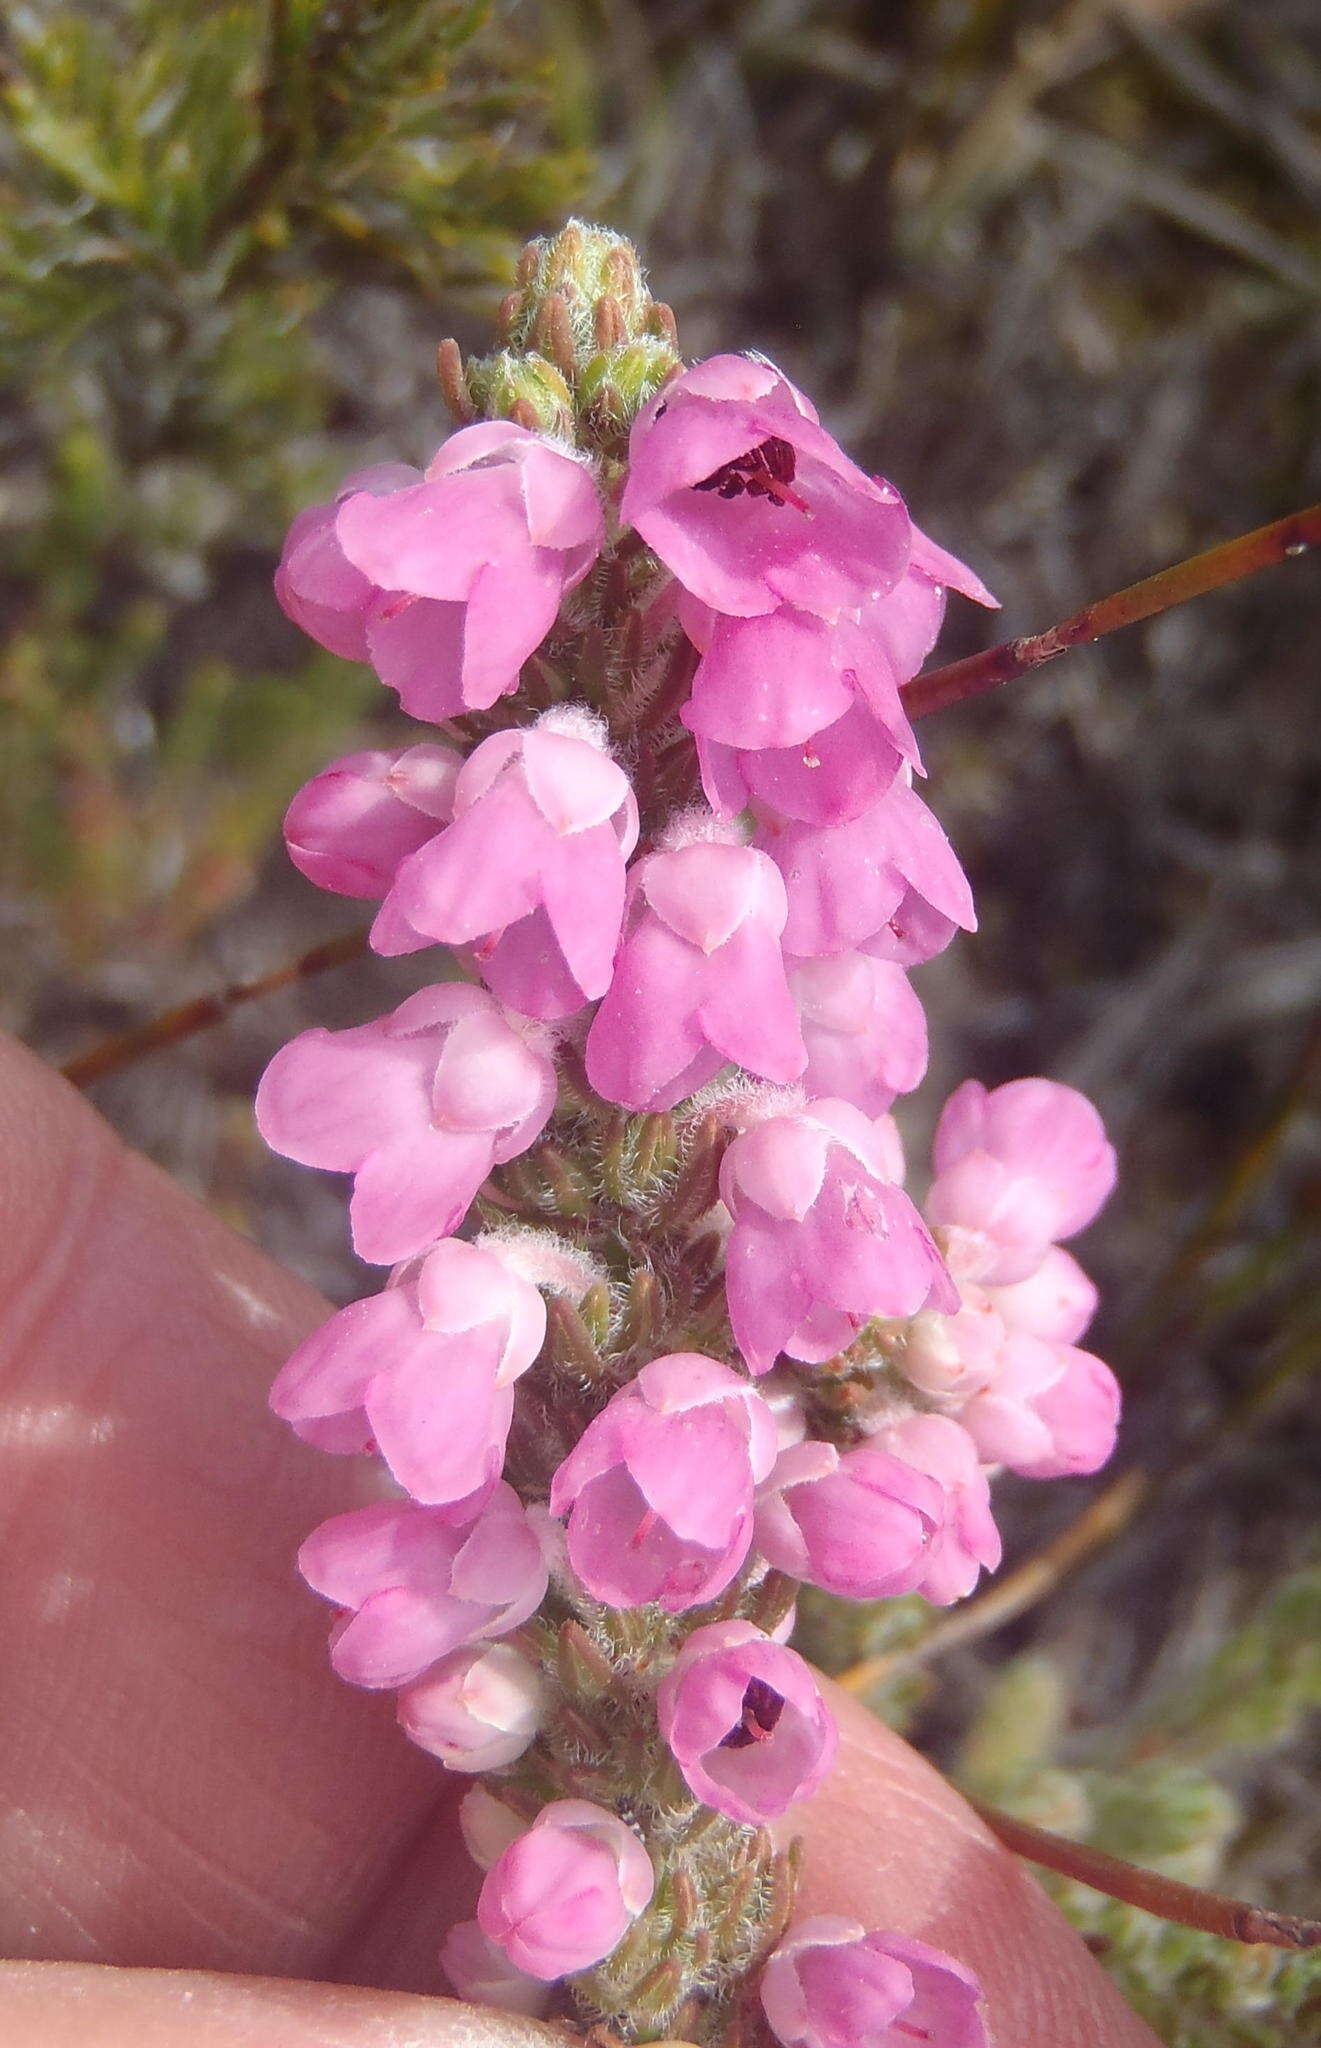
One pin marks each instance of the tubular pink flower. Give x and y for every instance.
(1056, 1302)
(418, 1106)
(836, 776)
(477, 1710)
(531, 871)
(417, 1583)
(830, 1984)
(750, 502)
(864, 1028)
(1017, 1168)
(482, 1973)
(699, 981)
(823, 1240)
(745, 1722)
(856, 1523)
(349, 827)
(316, 585)
(424, 1371)
(468, 565)
(887, 882)
(659, 1489)
(564, 1895)
(967, 1541)
(1050, 1412)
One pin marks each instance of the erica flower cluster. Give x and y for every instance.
(664, 1336)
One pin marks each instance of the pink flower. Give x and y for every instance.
(746, 1723)
(887, 882)
(418, 1106)
(699, 980)
(1051, 1411)
(837, 775)
(856, 1523)
(466, 567)
(1056, 1302)
(864, 1029)
(830, 1984)
(348, 829)
(531, 871)
(482, 1974)
(564, 1895)
(967, 1540)
(803, 715)
(1017, 1168)
(823, 1240)
(477, 1710)
(417, 1583)
(424, 1371)
(750, 502)
(659, 1489)
(316, 585)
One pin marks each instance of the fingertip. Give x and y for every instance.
(75, 2005)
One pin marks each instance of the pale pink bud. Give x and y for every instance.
(967, 1541)
(659, 1490)
(699, 981)
(822, 1240)
(477, 1710)
(417, 1106)
(748, 500)
(830, 1984)
(951, 1357)
(423, 1371)
(530, 874)
(1021, 1166)
(414, 1583)
(482, 1974)
(349, 827)
(746, 1723)
(487, 1825)
(564, 1895)
(855, 1523)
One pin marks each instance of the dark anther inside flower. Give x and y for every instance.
(762, 1708)
(766, 471)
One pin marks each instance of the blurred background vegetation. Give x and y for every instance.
(1056, 268)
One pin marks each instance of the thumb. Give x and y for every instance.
(83, 2005)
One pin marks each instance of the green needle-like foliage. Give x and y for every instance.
(200, 208)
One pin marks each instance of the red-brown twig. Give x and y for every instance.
(128, 1046)
(1166, 1897)
(1228, 563)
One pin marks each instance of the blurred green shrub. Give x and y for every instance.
(197, 205)
(1154, 1792)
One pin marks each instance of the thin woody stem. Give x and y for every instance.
(1185, 1904)
(129, 1046)
(1228, 563)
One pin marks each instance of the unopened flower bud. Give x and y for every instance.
(563, 1895)
(476, 1710)
(487, 1825)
